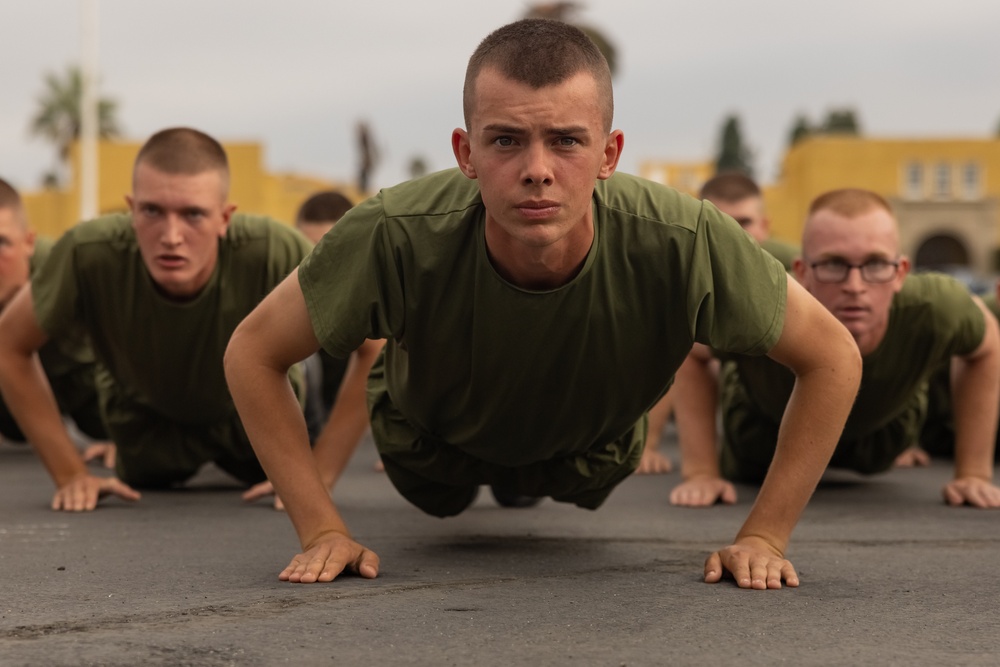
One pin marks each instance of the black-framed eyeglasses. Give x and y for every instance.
(837, 270)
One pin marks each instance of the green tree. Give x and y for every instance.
(801, 128)
(566, 12)
(418, 167)
(57, 117)
(842, 121)
(734, 155)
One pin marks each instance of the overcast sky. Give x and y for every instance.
(297, 75)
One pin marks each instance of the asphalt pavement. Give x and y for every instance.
(890, 576)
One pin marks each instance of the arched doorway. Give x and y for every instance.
(941, 251)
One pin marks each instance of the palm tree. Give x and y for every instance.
(564, 11)
(58, 115)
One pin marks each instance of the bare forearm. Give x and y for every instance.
(349, 417)
(976, 402)
(696, 399)
(273, 420)
(29, 397)
(810, 429)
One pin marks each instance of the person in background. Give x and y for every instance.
(158, 291)
(904, 326)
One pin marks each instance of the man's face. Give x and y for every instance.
(863, 307)
(17, 245)
(537, 154)
(178, 221)
(749, 212)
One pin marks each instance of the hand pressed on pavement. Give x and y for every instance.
(330, 555)
(263, 490)
(703, 492)
(653, 462)
(105, 451)
(753, 563)
(81, 493)
(973, 491)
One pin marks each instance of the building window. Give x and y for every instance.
(971, 179)
(942, 180)
(914, 181)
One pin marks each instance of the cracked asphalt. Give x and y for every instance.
(890, 576)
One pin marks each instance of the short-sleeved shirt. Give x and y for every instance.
(69, 367)
(161, 354)
(786, 253)
(931, 319)
(512, 376)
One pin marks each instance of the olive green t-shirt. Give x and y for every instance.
(162, 354)
(786, 253)
(513, 376)
(931, 319)
(69, 367)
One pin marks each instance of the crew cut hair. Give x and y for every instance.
(849, 202)
(9, 197)
(185, 151)
(539, 53)
(729, 187)
(323, 207)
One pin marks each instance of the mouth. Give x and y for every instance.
(539, 209)
(168, 261)
(852, 312)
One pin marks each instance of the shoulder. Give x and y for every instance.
(442, 193)
(115, 227)
(247, 230)
(43, 248)
(627, 196)
(784, 252)
(932, 290)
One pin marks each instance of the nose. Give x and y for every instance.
(537, 165)
(172, 232)
(854, 282)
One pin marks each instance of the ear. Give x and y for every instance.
(462, 148)
(227, 215)
(765, 222)
(130, 203)
(904, 270)
(612, 153)
(29, 240)
(799, 269)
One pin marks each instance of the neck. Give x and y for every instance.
(542, 267)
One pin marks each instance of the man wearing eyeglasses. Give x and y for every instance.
(905, 326)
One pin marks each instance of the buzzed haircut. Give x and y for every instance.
(326, 206)
(729, 187)
(539, 53)
(849, 202)
(11, 199)
(186, 151)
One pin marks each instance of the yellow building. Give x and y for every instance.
(946, 192)
(688, 177)
(252, 188)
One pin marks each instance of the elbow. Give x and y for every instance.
(235, 352)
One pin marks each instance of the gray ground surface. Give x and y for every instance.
(890, 576)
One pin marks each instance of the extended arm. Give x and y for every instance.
(697, 390)
(827, 367)
(975, 388)
(277, 334)
(349, 416)
(29, 396)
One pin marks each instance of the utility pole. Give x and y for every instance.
(89, 167)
